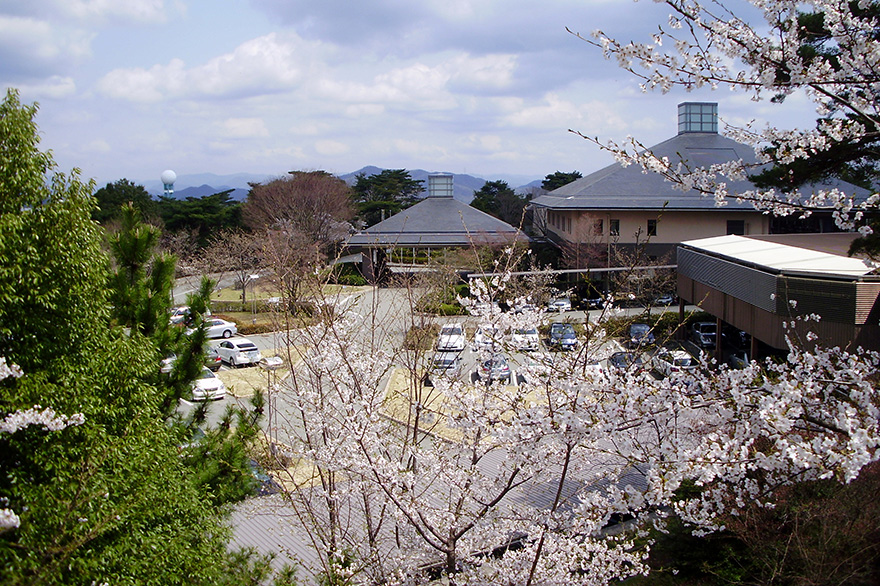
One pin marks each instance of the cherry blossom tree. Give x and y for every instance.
(487, 481)
(527, 483)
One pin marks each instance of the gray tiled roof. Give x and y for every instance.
(438, 221)
(616, 187)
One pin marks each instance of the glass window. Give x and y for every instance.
(652, 227)
(737, 227)
(614, 227)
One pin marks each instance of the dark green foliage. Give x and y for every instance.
(558, 179)
(113, 196)
(388, 192)
(496, 198)
(205, 215)
(852, 160)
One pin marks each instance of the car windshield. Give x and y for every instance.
(639, 329)
(526, 332)
(444, 362)
(247, 347)
(206, 374)
(706, 328)
(451, 331)
(684, 361)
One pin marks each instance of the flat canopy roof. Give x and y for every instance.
(801, 256)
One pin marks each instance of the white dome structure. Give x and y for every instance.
(168, 178)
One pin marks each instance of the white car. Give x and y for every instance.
(239, 352)
(208, 387)
(486, 338)
(526, 339)
(667, 362)
(451, 338)
(218, 328)
(560, 305)
(179, 314)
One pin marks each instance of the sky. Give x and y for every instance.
(127, 89)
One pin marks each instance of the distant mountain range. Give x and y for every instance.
(204, 184)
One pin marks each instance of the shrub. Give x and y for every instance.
(421, 337)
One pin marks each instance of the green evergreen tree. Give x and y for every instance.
(113, 196)
(498, 199)
(109, 500)
(558, 179)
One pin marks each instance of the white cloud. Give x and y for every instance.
(149, 11)
(554, 112)
(244, 128)
(488, 72)
(331, 147)
(54, 87)
(259, 66)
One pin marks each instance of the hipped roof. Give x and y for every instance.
(438, 222)
(616, 187)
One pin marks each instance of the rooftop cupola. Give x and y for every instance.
(440, 185)
(698, 117)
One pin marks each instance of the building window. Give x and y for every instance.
(652, 227)
(598, 227)
(568, 223)
(614, 227)
(737, 227)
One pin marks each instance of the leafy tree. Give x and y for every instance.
(315, 204)
(105, 497)
(388, 192)
(498, 199)
(558, 179)
(113, 196)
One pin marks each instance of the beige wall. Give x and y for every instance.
(672, 226)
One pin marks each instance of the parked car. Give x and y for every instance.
(667, 362)
(703, 334)
(560, 304)
(738, 359)
(736, 338)
(217, 328)
(180, 314)
(626, 361)
(562, 336)
(239, 352)
(208, 387)
(212, 359)
(451, 338)
(446, 364)
(666, 299)
(526, 339)
(486, 338)
(640, 335)
(595, 302)
(495, 368)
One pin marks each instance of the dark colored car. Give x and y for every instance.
(212, 359)
(640, 335)
(703, 334)
(626, 361)
(562, 336)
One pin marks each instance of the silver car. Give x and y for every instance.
(208, 387)
(239, 352)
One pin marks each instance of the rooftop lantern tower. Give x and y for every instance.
(698, 117)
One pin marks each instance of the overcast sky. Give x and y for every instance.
(128, 88)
